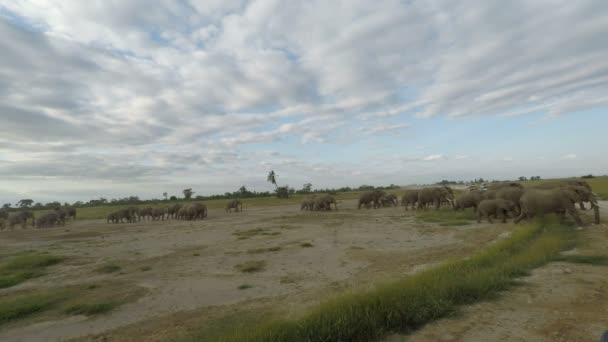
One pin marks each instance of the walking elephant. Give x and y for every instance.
(196, 211)
(234, 204)
(469, 199)
(410, 197)
(552, 201)
(308, 203)
(172, 210)
(499, 208)
(324, 202)
(370, 198)
(435, 195)
(20, 218)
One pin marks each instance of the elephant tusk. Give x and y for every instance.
(594, 194)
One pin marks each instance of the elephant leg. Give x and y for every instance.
(504, 216)
(521, 216)
(478, 217)
(572, 211)
(581, 205)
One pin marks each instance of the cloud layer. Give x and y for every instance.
(216, 93)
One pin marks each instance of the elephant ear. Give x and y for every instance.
(573, 195)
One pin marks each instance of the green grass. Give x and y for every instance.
(83, 299)
(251, 266)
(17, 269)
(264, 250)
(109, 268)
(244, 286)
(447, 216)
(90, 309)
(405, 305)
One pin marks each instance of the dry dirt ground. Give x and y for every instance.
(188, 268)
(557, 302)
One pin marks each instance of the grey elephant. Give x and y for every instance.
(181, 214)
(146, 213)
(173, 209)
(435, 195)
(549, 201)
(70, 212)
(2, 223)
(389, 200)
(49, 219)
(371, 198)
(308, 203)
(324, 202)
(20, 218)
(158, 214)
(113, 217)
(125, 214)
(196, 211)
(469, 199)
(568, 183)
(235, 204)
(61, 215)
(410, 197)
(135, 213)
(512, 194)
(499, 208)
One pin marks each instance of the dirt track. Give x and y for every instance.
(191, 274)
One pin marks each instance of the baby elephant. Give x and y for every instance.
(496, 208)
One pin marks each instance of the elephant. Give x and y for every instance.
(125, 214)
(469, 199)
(501, 185)
(172, 210)
(158, 214)
(2, 223)
(196, 211)
(182, 213)
(547, 201)
(308, 203)
(389, 200)
(135, 213)
(71, 212)
(369, 198)
(324, 202)
(435, 195)
(50, 219)
(61, 215)
(146, 213)
(569, 183)
(113, 217)
(234, 204)
(496, 208)
(410, 197)
(512, 194)
(21, 218)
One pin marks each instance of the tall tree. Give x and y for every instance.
(165, 195)
(188, 193)
(307, 188)
(272, 178)
(24, 203)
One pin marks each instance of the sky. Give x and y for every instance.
(120, 98)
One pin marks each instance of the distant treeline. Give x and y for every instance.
(241, 193)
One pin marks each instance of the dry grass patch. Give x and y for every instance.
(251, 266)
(264, 250)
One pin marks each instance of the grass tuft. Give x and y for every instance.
(244, 286)
(584, 259)
(15, 270)
(89, 309)
(109, 268)
(264, 250)
(251, 266)
(306, 245)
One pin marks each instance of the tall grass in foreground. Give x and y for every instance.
(17, 269)
(405, 305)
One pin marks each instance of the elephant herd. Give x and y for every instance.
(511, 199)
(55, 217)
(194, 211)
(319, 203)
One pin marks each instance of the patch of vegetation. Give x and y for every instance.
(306, 245)
(196, 254)
(264, 250)
(407, 304)
(251, 266)
(17, 269)
(145, 268)
(447, 217)
(584, 259)
(245, 234)
(109, 268)
(84, 299)
(89, 309)
(244, 286)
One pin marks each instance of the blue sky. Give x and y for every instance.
(116, 99)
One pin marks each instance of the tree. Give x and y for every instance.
(6, 206)
(172, 198)
(24, 203)
(188, 193)
(165, 195)
(522, 179)
(272, 178)
(307, 188)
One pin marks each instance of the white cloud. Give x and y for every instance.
(569, 156)
(433, 157)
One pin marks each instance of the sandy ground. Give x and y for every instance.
(192, 274)
(557, 302)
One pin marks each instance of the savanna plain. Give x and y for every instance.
(273, 272)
